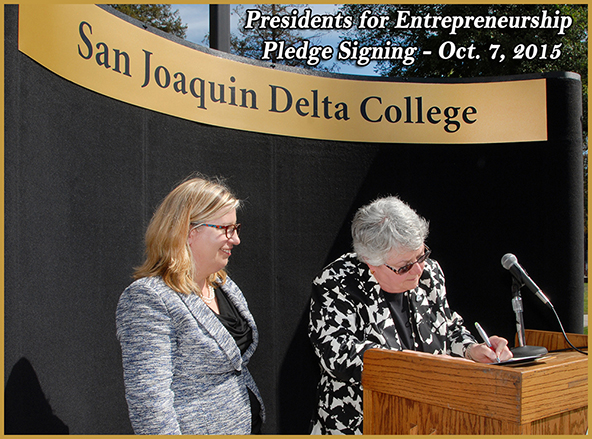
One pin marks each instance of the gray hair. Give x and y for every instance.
(384, 225)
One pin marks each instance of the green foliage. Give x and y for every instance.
(249, 42)
(158, 16)
(574, 44)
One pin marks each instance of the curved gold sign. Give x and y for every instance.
(97, 50)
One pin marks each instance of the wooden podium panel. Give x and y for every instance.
(553, 341)
(416, 393)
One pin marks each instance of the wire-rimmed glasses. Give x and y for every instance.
(405, 268)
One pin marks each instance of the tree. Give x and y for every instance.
(573, 45)
(249, 43)
(158, 16)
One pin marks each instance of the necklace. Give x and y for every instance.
(209, 298)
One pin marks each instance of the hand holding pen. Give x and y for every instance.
(485, 338)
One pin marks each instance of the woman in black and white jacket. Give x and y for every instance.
(388, 294)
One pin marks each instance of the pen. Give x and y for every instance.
(485, 338)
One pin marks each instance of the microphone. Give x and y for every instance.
(510, 263)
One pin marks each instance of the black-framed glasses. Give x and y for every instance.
(405, 268)
(228, 230)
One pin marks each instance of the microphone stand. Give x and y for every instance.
(517, 306)
(522, 350)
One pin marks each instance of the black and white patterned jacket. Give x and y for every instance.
(349, 315)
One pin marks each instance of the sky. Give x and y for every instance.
(196, 17)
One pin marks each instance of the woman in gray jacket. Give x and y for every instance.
(185, 329)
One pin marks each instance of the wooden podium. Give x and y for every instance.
(416, 393)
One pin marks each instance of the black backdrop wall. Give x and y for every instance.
(83, 174)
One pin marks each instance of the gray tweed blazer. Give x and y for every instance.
(183, 372)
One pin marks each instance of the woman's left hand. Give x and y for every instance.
(483, 354)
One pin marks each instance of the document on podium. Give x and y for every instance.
(519, 360)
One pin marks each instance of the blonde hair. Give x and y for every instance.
(168, 254)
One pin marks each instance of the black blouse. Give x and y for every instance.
(233, 321)
(242, 333)
(399, 306)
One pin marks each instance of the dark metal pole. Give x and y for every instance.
(220, 27)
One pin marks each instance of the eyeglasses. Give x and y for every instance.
(228, 230)
(405, 268)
